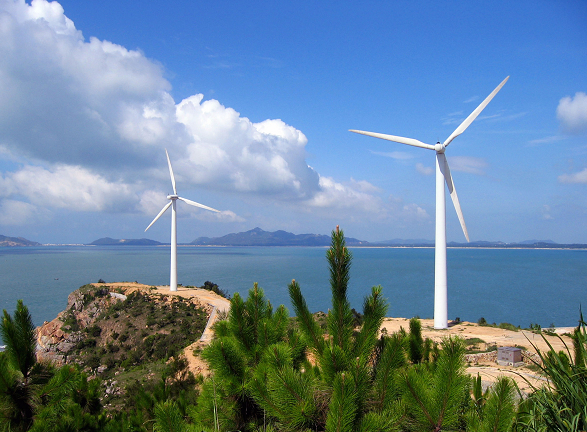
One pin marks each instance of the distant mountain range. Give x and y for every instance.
(107, 241)
(258, 237)
(16, 241)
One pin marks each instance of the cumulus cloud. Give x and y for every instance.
(468, 164)
(578, 177)
(350, 196)
(572, 113)
(68, 187)
(424, 170)
(87, 121)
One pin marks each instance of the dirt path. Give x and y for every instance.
(219, 305)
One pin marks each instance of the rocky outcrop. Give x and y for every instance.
(56, 339)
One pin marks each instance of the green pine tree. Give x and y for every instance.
(349, 384)
(252, 326)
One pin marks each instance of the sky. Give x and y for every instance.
(253, 101)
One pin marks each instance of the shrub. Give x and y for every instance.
(214, 288)
(508, 326)
(94, 331)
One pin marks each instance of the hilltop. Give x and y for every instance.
(128, 332)
(16, 241)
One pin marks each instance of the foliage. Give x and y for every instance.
(562, 405)
(36, 396)
(214, 288)
(252, 326)
(351, 371)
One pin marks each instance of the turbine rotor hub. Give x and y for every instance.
(439, 148)
(172, 197)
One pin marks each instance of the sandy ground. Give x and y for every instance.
(489, 371)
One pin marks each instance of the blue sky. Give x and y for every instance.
(253, 101)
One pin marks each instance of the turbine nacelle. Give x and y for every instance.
(172, 197)
(439, 148)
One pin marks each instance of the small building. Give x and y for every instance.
(509, 356)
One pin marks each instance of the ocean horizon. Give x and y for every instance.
(519, 286)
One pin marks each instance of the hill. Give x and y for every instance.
(127, 331)
(259, 237)
(16, 241)
(107, 241)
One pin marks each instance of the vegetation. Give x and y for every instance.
(270, 372)
(41, 397)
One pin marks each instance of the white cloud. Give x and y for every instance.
(572, 113)
(68, 187)
(339, 196)
(415, 211)
(230, 152)
(547, 140)
(424, 170)
(224, 216)
(88, 120)
(364, 186)
(579, 177)
(406, 212)
(399, 155)
(468, 164)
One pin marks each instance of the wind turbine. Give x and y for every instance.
(442, 175)
(172, 199)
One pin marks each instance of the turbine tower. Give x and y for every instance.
(442, 175)
(172, 199)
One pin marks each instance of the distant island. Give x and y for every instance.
(107, 241)
(258, 237)
(16, 241)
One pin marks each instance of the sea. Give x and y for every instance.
(517, 286)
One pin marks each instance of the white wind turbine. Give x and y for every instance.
(442, 175)
(172, 199)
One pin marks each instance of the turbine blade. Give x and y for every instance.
(171, 173)
(195, 204)
(159, 215)
(453, 192)
(464, 125)
(402, 140)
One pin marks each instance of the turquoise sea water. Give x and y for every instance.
(516, 286)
